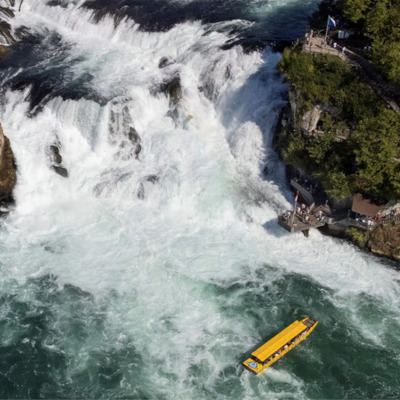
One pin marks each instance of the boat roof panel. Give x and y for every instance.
(278, 341)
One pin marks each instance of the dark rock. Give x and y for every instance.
(60, 171)
(133, 136)
(123, 134)
(138, 150)
(228, 72)
(8, 174)
(173, 89)
(152, 178)
(55, 3)
(140, 191)
(56, 157)
(164, 62)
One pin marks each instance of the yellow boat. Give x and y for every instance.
(279, 345)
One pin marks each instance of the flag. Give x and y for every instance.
(295, 199)
(331, 21)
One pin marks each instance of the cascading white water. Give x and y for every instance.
(172, 244)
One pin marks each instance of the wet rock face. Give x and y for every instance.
(55, 159)
(124, 135)
(173, 89)
(8, 174)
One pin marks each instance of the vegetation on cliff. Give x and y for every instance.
(373, 21)
(367, 159)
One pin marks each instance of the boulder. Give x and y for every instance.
(8, 174)
(62, 171)
(55, 159)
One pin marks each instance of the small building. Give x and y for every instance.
(343, 34)
(364, 206)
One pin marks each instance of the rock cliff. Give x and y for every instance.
(385, 241)
(8, 175)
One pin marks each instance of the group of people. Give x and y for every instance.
(378, 218)
(365, 220)
(305, 214)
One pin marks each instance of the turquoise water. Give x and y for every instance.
(154, 277)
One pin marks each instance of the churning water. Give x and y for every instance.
(155, 268)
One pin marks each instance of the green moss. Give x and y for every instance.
(357, 235)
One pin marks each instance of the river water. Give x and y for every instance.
(152, 272)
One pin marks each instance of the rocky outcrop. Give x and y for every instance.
(385, 241)
(307, 120)
(310, 119)
(8, 174)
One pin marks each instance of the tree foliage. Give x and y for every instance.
(380, 21)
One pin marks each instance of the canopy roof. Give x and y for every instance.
(365, 206)
(278, 341)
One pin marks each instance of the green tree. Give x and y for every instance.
(376, 147)
(337, 184)
(355, 10)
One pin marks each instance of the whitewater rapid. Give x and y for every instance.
(160, 272)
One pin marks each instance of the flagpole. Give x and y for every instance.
(327, 27)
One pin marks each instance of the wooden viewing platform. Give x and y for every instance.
(299, 223)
